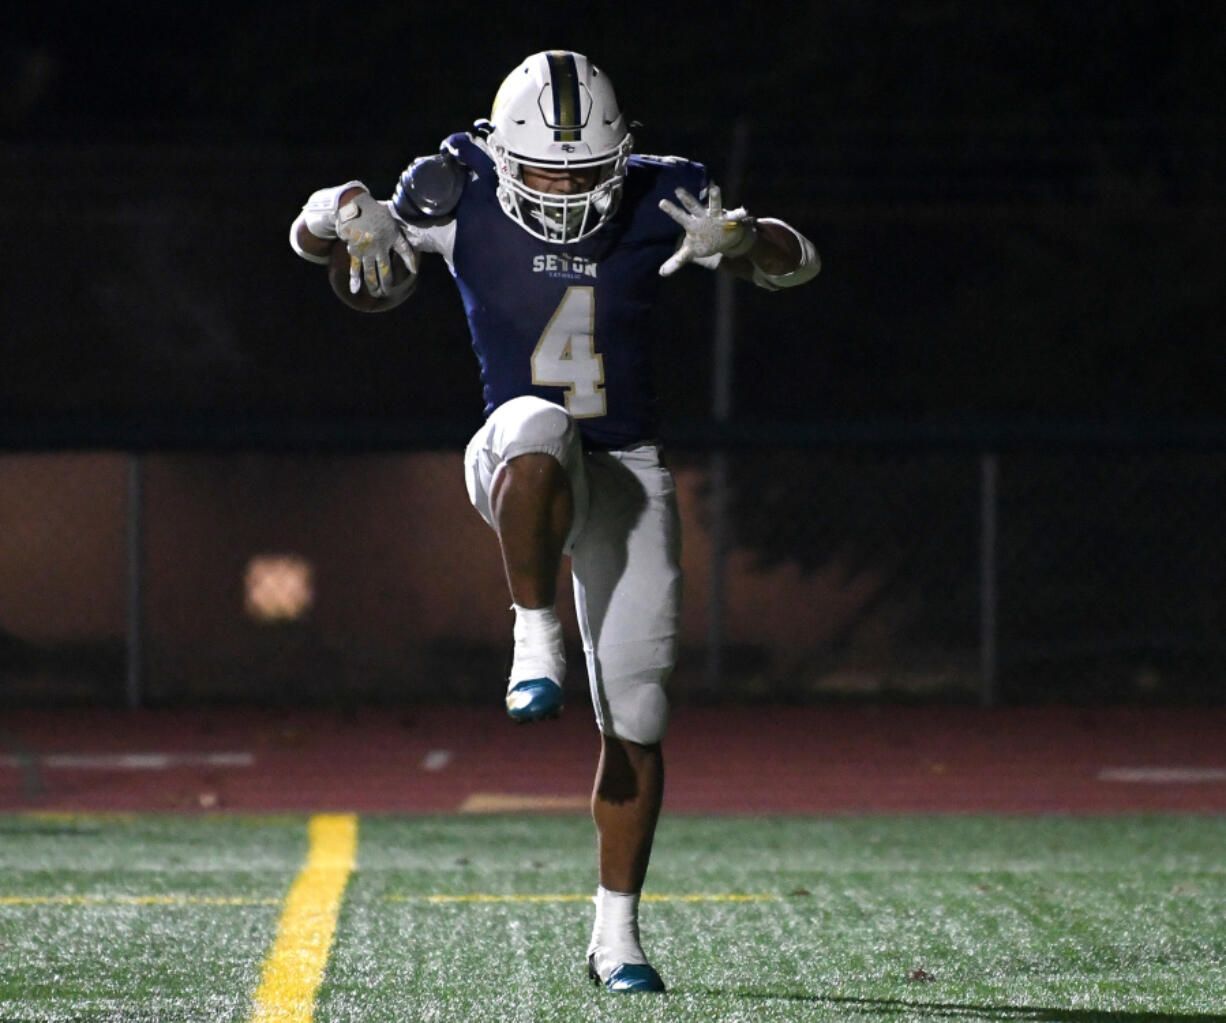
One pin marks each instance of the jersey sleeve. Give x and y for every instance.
(810, 263)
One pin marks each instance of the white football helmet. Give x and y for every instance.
(557, 111)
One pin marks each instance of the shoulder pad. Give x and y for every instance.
(430, 187)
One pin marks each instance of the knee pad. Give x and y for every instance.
(525, 426)
(636, 712)
(528, 425)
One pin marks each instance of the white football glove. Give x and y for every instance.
(372, 234)
(709, 230)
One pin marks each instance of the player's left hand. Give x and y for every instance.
(709, 230)
(372, 234)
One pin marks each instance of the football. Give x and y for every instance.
(363, 300)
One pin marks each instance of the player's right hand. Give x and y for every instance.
(372, 234)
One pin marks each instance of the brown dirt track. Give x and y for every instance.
(806, 760)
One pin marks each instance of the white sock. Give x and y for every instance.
(615, 934)
(539, 650)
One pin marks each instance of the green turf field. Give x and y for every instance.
(485, 918)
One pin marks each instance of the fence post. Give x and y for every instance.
(721, 408)
(135, 536)
(989, 471)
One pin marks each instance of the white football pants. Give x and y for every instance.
(625, 551)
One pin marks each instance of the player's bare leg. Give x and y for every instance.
(626, 806)
(531, 503)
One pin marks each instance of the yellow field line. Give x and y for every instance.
(295, 965)
(729, 897)
(507, 802)
(475, 897)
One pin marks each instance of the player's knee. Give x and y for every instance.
(530, 425)
(638, 713)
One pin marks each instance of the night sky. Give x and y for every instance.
(1019, 206)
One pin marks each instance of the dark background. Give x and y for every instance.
(1019, 206)
(1017, 331)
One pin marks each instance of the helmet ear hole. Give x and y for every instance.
(557, 111)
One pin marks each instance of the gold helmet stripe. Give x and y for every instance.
(564, 77)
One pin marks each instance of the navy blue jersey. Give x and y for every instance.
(570, 323)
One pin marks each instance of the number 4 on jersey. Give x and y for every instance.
(566, 355)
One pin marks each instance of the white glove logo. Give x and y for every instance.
(709, 230)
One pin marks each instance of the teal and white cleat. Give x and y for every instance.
(534, 699)
(626, 978)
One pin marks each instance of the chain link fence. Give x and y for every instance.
(1079, 574)
(973, 266)
(1111, 574)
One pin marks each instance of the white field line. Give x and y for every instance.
(1163, 775)
(247, 900)
(128, 761)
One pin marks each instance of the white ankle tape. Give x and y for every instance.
(535, 622)
(615, 933)
(539, 649)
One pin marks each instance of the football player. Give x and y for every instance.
(558, 237)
